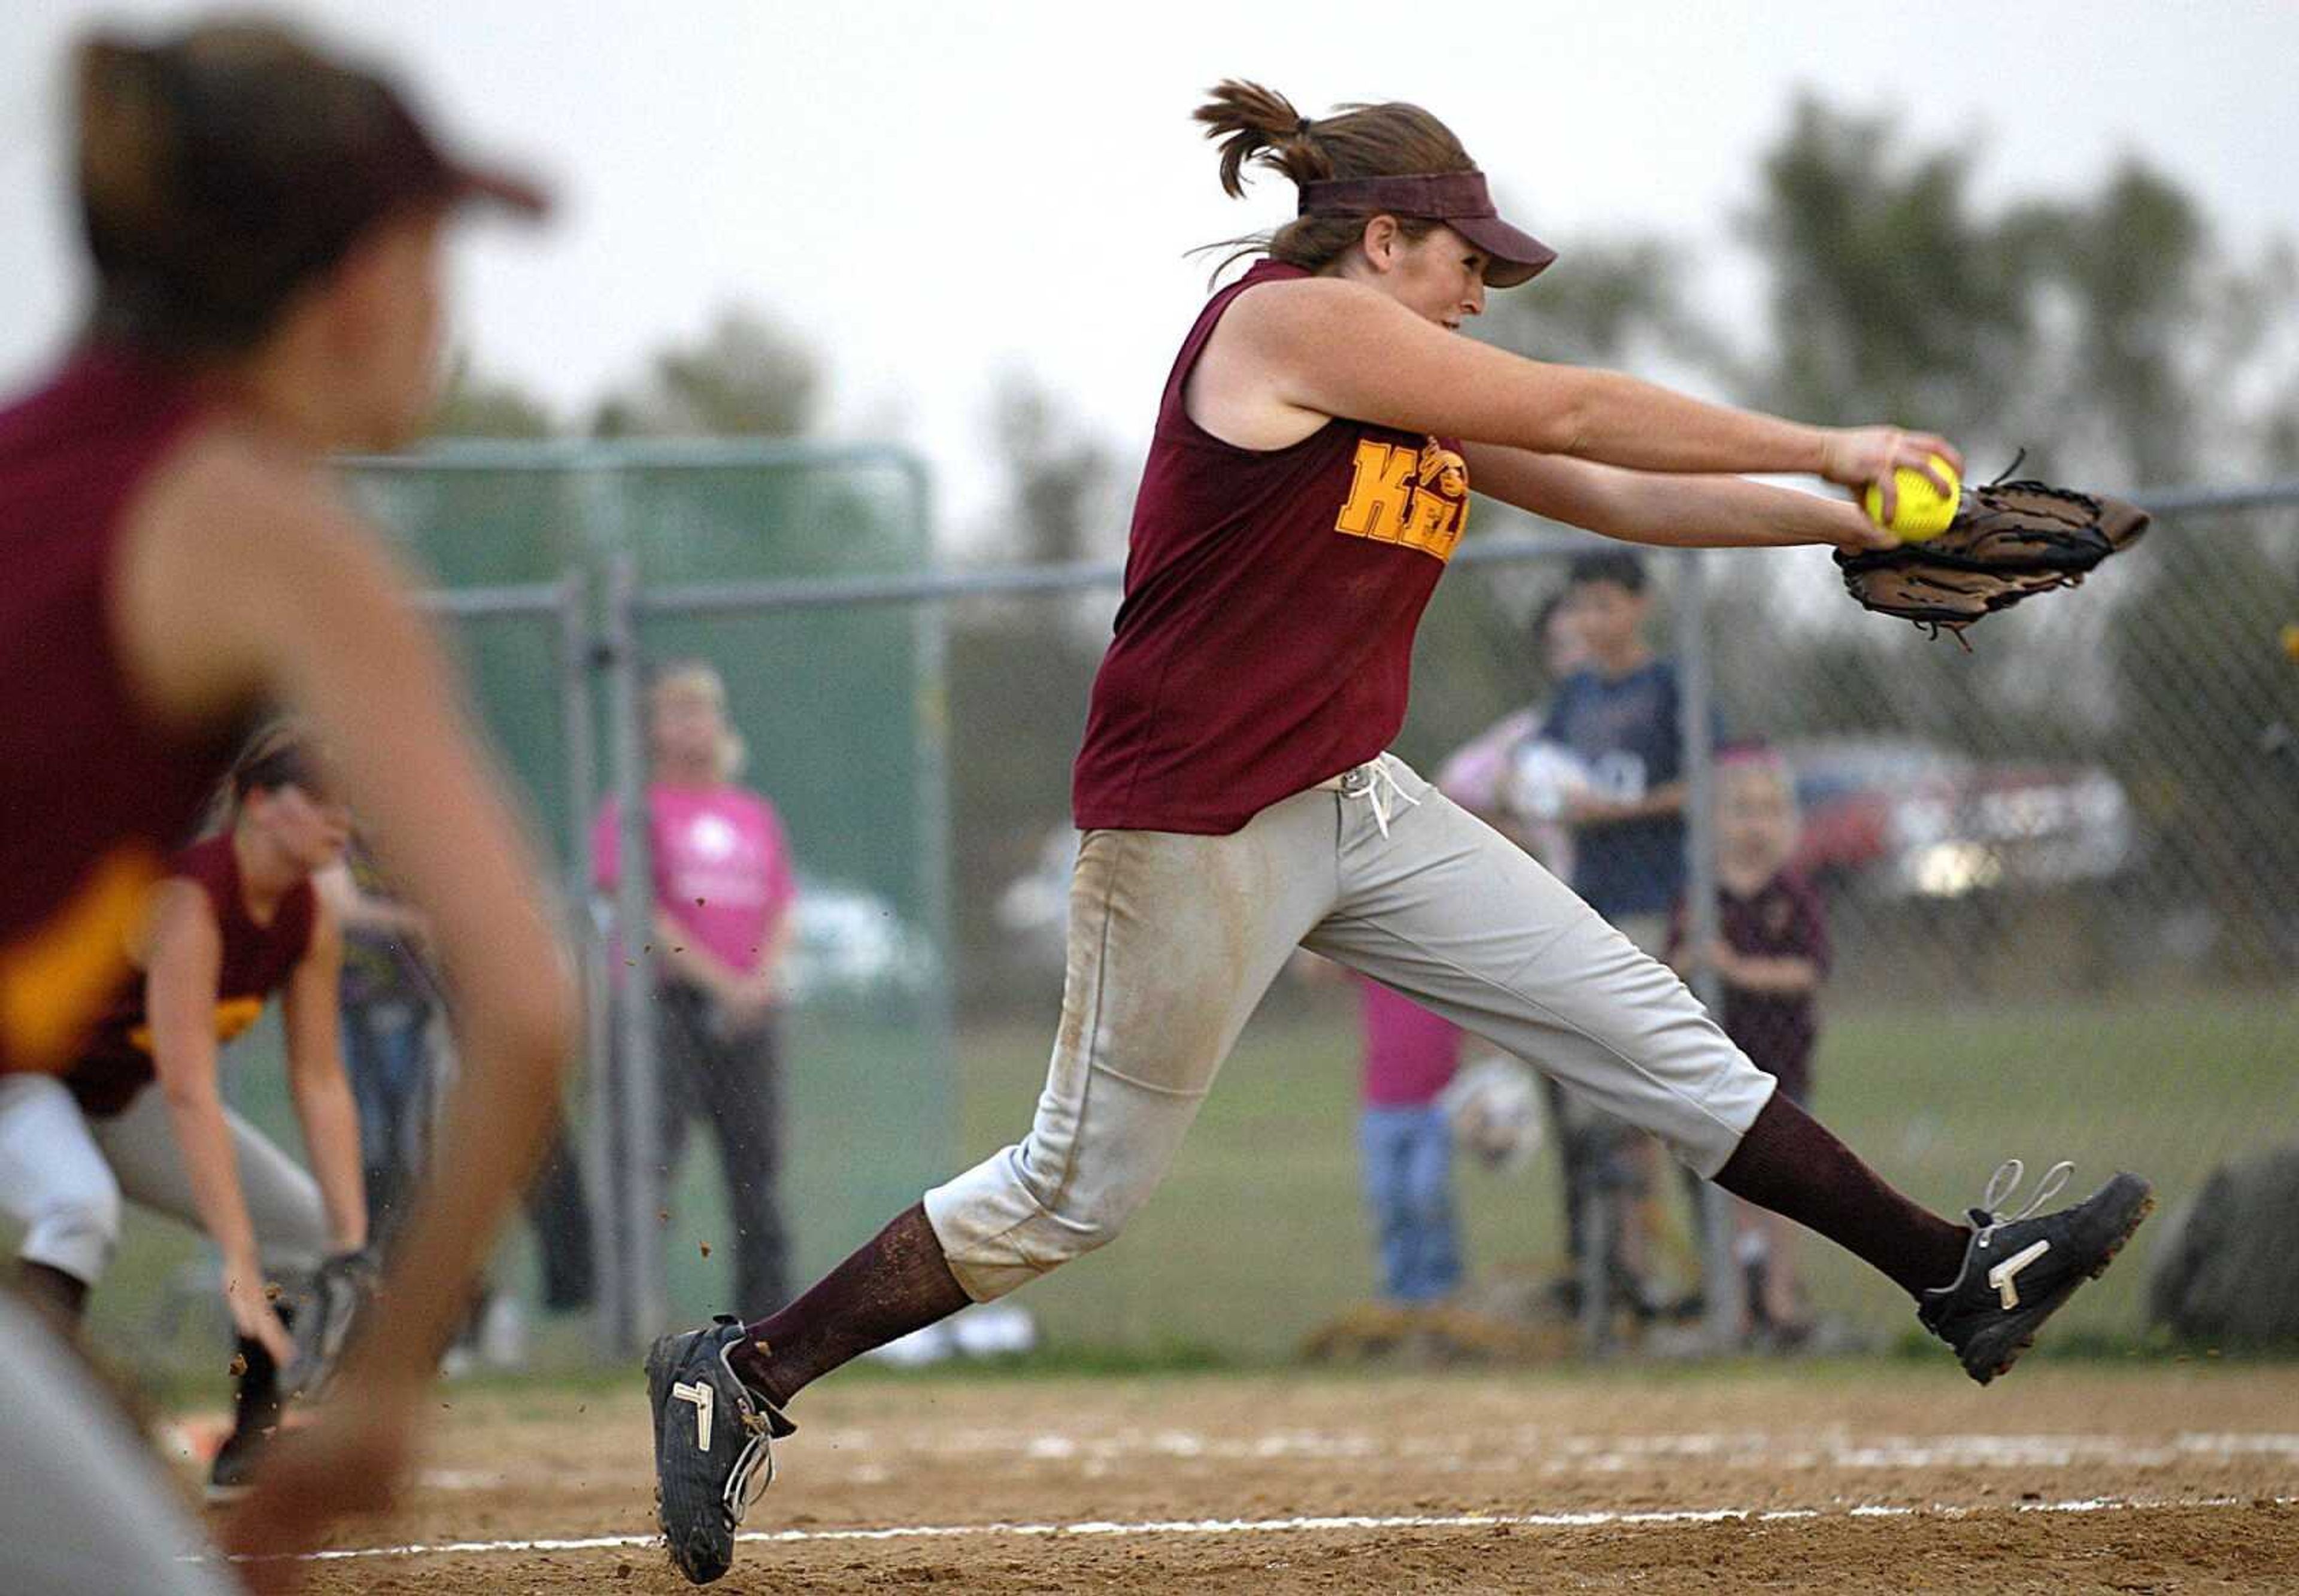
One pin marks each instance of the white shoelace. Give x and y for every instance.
(754, 1465)
(1374, 783)
(753, 1472)
(2006, 1181)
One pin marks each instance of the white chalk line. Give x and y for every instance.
(1541, 1454)
(1083, 1529)
(1569, 1453)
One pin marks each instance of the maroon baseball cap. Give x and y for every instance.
(258, 112)
(259, 161)
(1458, 199)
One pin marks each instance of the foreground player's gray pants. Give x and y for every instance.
(64, 1175)
(1173, 939)
(83, 1507)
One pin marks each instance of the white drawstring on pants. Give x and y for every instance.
(1374, 782)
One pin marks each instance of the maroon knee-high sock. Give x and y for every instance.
(1793, 1165)
(895, 1283)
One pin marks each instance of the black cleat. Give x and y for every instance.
(2017, 1272)
(711, 1456)
(256, 1411)
(232, 1476)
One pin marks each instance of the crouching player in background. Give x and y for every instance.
(140, 1114)
(1769, 958)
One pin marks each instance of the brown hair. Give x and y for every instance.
(287, 752)
(1260, 125)
(283, 751)
(224, 168)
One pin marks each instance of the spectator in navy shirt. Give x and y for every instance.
(1620, 715)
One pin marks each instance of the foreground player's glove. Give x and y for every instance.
(2009, 540)
(327, 1313)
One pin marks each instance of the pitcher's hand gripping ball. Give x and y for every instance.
(1919, 510)
(2008, 541)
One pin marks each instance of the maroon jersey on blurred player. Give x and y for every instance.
(78, 855)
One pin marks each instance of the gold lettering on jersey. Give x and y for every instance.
(55, 982)
(1418, 498)
(1381, 494)
(232, 1016)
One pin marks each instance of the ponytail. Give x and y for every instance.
(1260, 125)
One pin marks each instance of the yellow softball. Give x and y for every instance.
(1923, 511)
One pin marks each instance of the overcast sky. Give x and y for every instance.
(935, 192)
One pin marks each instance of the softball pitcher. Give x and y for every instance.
(1305, 483)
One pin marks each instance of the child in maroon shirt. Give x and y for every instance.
(1770, 960)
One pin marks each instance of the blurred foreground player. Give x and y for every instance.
(1306, 485)
(264, 229)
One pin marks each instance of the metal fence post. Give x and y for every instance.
(930, 629)
(578, 655)
(576, 732)
(633, 1105)
(1721, 1285)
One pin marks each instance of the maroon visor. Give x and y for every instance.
(1458, 199)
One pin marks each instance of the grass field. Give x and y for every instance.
(1258, 1236)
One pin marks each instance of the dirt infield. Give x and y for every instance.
(1883, 1477)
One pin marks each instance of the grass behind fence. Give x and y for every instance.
(1259, 1233)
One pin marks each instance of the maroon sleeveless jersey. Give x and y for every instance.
(1265, 638)
(93, 796)
(256, 962)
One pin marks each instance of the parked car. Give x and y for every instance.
(851, 942)
(1900, 817)
(1033, 911)
(1906, 818)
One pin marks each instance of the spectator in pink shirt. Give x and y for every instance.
(723, 895)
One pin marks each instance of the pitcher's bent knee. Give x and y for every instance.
(1706, 1141)
(1001, 1226)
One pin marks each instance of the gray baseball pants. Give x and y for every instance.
(83, 1507)
(63, 1176)
(1174, 938)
